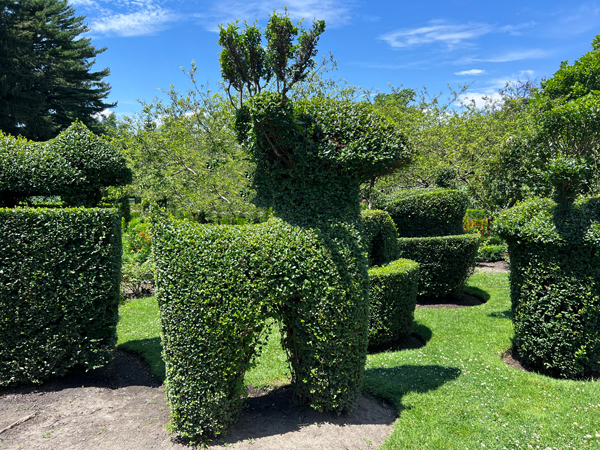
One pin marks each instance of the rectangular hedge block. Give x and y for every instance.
(60, 274)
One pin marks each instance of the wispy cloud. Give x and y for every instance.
(489, 91)
(470, 72)
(517, 55)
(334, 12)
(438, 31)
(148, 19)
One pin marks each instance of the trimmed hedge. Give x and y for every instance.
(425, 212)
(59, 291)
(74, 166)
(445, 261)
(555, 283)
(392, 300)
(380, 237)
(216, 285)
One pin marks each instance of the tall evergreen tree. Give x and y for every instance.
(46, 77)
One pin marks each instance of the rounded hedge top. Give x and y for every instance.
(74, 165)
(544, 221)
(425, 212)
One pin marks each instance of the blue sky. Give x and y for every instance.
(376, 42)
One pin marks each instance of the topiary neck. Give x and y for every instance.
(317, 204)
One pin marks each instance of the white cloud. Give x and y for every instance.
(518, 55)
(333, 12)
(481, 98)
(437, 31)
(471, 72)
(148, 20)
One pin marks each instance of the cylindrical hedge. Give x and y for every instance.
(60, 273)
(380, 237)
(555, 283)
(425, 212)
(392, 300)
(445, 262)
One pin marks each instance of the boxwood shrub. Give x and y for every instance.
(380, 237)
(74, 166)
(425, 212)
(59, 291)
(445, 262)
(555, 283)
(217, 284)
(392, 300)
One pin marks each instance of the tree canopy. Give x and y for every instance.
(46, 76)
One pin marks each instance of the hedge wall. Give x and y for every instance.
(555, 283)
(380, 237)
(445, 262)
(392, 300)
(74, 166)
(59, 291)
(425, 212)
(217, 284)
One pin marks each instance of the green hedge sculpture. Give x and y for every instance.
(393, 281)
(425, 212)
(555, 283)
(307, 267)
(60, 273)
(75, 166)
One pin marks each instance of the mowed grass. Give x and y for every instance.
(454, 393)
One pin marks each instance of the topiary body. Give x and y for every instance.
(307, 267)
(555, 283)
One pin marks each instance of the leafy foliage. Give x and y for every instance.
(248, 67)
(212, 314)
(456, 139)
(555, 279)
(138, 274)
(425, 212)
(185, 156)
(445, 262)
(392, 300)
(380, 237)
(59, 291)
(307, 268)
(75, 166)
(46, 77)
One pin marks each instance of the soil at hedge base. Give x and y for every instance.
(121, 407)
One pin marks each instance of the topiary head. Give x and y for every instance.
(316, 149)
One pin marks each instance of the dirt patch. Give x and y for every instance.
(493, 267)
(464, 301)
(121, 407)
(513, 359)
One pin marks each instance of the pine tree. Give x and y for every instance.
(46, 77)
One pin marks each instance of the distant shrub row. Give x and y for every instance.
(59, 291)
(430, 225)
(392, 281)
(425, 212)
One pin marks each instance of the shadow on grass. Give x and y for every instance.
(392, 384)
(477, 292)
(419, 337)
(150, 351)
(501, 314)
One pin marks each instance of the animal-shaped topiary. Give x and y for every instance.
(306, 268)
(75, 165)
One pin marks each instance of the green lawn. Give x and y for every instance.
(454, 393)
